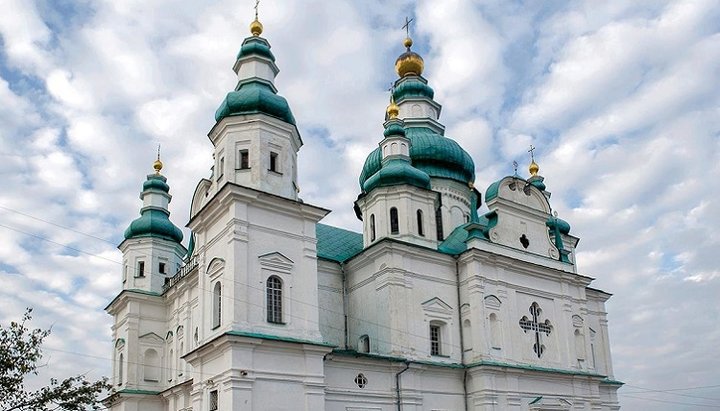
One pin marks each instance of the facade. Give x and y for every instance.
(434, 306)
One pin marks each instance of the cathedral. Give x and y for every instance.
(451, 298)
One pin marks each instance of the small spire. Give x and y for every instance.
(534, 167)
(256, 28)
(408, 41)
(158, 165)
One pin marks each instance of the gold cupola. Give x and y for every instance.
(256, 28)
(533, 168)
(392, 109)
(409, 63)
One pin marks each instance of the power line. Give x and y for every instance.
(55, 224)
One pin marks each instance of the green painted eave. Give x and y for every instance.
(608, 381)
(256, 46)
(490, 363)
(270, 337)
(157, 182)
(337, 244)
(137, 392)
(255, 97)
(397, 172)
(156, 224)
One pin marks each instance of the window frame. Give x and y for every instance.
(420, 227)
(217, 305)
(394, 221)
(274, 165)
(274, 300)
(372, 227)
(243, 159)
(435, 339)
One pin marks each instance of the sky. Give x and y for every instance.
(621, 100)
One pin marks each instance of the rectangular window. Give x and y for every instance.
(213, 400)
(141, 269)
(161, 268)
(244, 160)
(273, 162)
(435, 340)
(221, 171)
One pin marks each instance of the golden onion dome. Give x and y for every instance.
(534, 168)
(409, 63)
(392, 110)
(158, 165)
(256, 28)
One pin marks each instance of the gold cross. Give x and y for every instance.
(257, 4)
(532, 156)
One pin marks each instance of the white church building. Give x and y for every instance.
(434, 306)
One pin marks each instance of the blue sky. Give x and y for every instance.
(621, 100)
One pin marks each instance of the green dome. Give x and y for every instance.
(432, 153)
(255, 46)
(394, 129)
(252, 98)
(154, 223)
(156, 181)
(397, 171)
(537, 181)
(412, 86)
(562, 225)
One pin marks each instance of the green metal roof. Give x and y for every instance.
(255, 97)
(436, 155)
(156, 181)
(154, 223)
(337, 244)
(395, 172)
(412, 86)
(257, 46)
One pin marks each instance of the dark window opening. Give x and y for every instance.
(161, 268)
(213, 400)
(421, 230)
(217, 305)
(524, 241)
(141, 269)
(394, 225)
(439, 224)
(372, 227)
(273, 162)
(244, 160)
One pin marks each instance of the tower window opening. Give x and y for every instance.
(244, 160)
(394, 225)
(435, 342)
(141, 269)
(213, 400)
(221, 171)
(161, 268)
(421, 230)
(372, 227)
(439, 224)
(273, 162)
(274, 300)
(120, 369)
(217, 305)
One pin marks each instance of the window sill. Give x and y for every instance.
(243, 169)
(439, 356)
(276, 323)
(215, 328)
(277, 173)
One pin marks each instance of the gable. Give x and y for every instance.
(276, 261)
(437, 305)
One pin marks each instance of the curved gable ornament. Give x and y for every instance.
(215, 266)
(491, 301)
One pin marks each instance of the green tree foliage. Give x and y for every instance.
(19, 355)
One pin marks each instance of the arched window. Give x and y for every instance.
(439, 224)
(364, 344)
(120, 369)
(579, 347)
(495, 342)
(217, 305)
(151, 366)
(180, 362)
(421, 230)
(372, 227)
(394, 226)
(274, 300)
(171, 372)
(467, 335)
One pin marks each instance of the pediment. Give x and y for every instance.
(216, 265)
(151, 337)
(276, 261)
(550, 404)
(492, 301)
(437, 305)
(521, 193)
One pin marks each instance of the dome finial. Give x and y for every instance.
(534, 167)
(158, 165)
(409, 63)
(256, 28)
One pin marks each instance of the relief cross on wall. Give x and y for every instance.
(537, 327)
